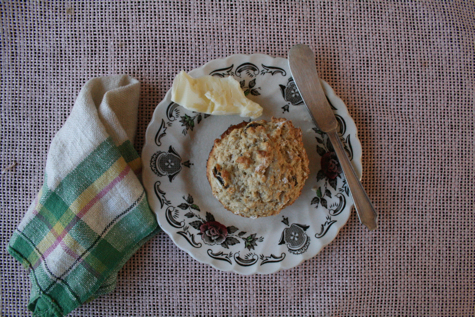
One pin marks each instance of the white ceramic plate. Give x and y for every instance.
(176, 149)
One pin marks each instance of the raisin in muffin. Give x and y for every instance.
(258, 168)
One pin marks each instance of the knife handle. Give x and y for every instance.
(364, 208)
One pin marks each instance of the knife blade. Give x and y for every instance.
(304, 72)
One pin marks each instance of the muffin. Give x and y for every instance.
(258, 168)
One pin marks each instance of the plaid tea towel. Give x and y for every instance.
(91, 213)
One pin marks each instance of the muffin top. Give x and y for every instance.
(258, 168)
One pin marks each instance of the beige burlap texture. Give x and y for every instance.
(405, 70)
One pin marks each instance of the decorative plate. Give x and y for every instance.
(176, 149)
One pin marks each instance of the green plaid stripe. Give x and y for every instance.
(89, 170)
(125, 151)
(104, 252)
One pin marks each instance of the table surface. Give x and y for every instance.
(405, 70)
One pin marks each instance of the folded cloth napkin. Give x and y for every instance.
(91, 213)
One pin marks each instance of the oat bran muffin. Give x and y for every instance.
(256, 169)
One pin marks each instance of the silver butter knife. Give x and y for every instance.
(304, 72)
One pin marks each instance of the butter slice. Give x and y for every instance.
(213, 95)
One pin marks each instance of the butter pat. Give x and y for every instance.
(213, 95)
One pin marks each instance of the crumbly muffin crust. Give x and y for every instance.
(256, 169)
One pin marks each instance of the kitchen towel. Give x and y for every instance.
(91, 213)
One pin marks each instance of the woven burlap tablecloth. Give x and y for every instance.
(405, 70)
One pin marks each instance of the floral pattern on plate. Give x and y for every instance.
(177, 145)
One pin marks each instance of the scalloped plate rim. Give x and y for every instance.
(357, 163)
